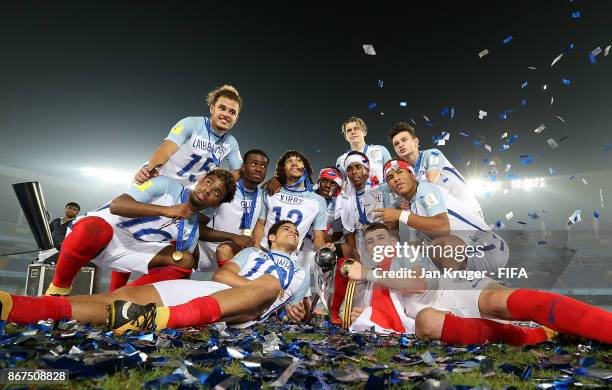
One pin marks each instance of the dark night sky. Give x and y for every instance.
(101, 83)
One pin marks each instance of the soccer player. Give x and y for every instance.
(453, 310)
(248, 288)
(432, 166)
(196, 145)
(133, 231)
(228, 229)
(354, 131)
(296, 202)
(443, 221)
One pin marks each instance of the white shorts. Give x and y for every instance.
(126, 254)
(208, 258)
(177, 292)
(496, 254)
(457, 296)
(305, 261)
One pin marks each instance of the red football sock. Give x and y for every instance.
(88, 237)
(457, 330)
(199, 311)
(30, 310)
(339, 293)
(561, 313)
(158, 274)
(118, 280)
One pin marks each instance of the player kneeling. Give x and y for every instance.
(248, 288)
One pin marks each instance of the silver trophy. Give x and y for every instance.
(326, 260)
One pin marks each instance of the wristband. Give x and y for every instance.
(404, 216)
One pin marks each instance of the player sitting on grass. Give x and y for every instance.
(248, 288)
(453, 310)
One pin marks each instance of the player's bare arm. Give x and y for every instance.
(228, 274)
(126, 206)
(161, 156)
(258, 232)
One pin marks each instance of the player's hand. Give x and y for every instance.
(178, 211)
(386, 215)
(355, 313)
(243, 241)
(273, 185)
(355, 271)
(296, 312)
(404, 204)
(145, 173)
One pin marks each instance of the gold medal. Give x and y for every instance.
(177, 256)
(247, 232)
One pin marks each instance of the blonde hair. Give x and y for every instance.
(227, 91)
(359, 121)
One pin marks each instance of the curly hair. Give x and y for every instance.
(228, 180)
(280, 166)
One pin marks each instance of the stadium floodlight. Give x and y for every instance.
(108, 175)
(479, 186)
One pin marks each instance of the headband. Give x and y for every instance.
(329, 173)
(394, 165)
(356, 158)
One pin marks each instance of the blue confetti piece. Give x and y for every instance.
(512, 139)
(445, 111)
(403, 104)
(592, 58)
(541, 243)
(504, 114)
(452, 112)
(508, 39)
(485, 161)
(526, 159)
(563, 138)
(566, 82)
(525, 83)
(570, 47)
(595, 214)
(380, 83)
(463, 133)
(551, 172)
(476, 142)
(575, 14)
(587, 361)
(606, 147)
(523, 102)
(372, 106)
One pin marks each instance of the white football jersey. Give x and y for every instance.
(294, 281)
(450, 179)
(200, 150)
(228, 216)
(304, 208)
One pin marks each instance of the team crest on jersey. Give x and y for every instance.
(431, 200)
(434, 160)
(373, 154)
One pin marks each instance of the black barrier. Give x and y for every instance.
(32, 203)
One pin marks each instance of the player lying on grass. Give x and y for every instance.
(134, 231)
(442, 221)
(248, 288)
(460, 311)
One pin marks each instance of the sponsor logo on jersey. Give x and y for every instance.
(178, 129)
(145, 186)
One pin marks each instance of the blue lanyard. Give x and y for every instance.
(417, 164)
(181, 227)
(247, 216)
(281, 272)
(222, 138)
(362, 214)
(300, 181)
